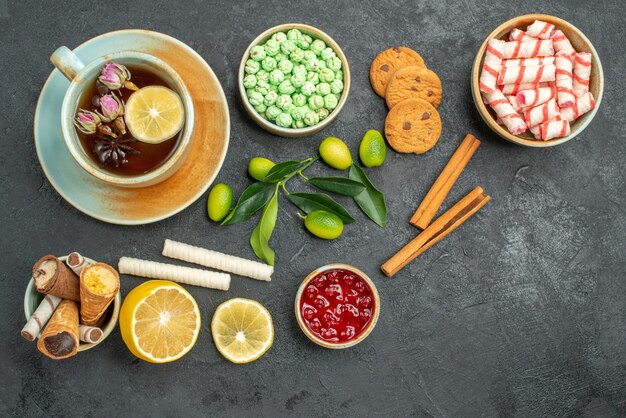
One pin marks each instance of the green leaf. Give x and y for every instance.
(281, 170)
(308, 202)
(251, 200)
(259, 240)
(340, 185)
(371, 200)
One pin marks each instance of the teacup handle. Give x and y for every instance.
(67, 62)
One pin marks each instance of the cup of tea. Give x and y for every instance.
(105, 146)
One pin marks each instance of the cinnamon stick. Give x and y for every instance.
(439, 229)
(440, 189)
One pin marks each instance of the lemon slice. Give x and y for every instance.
(159, 321)
(242, 330)
(154, 114)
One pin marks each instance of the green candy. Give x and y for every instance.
(272, 112)
(262, 75)
(336, 86)
(309, 55)
(327, 54)
(312, 64)
(299, 69)
(316, 101)
(257, 53)
(284, 102)
(322, 113)
(284, 120)
(249, 81)
(298, 80)
(279, 37)
(327, 75)
(274, 87)
(255, 98)
(311, 119)
(323, 89)
(268, 64)
(294, 34)
(307, 88)
(271, 47)
(321, 65)
(286, 87)
(318, 46)
(334, 64)
(252, 67)
(276, 77)
(261, 108)
(338, 75)
(287, 47)
(262, 87)
(299, 99)
(280, 57)
(330, 101)
(298, 112)
(303, 43)
(307, 38)
(285, 66)
(313, 78)
(297, 124)
(270, 98)
(297, 55)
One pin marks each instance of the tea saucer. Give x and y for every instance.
(128, 206)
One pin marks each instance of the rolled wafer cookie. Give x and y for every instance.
(523, 75)
(582, 72)
(180, 274)
(582, 105)
(564, 79)
(542, 113)
(516, 88)
(561, 43)
(528, 62)
(217, 260)
(89, 334)
(536, 96)
(528, 49)
(40, 317)
(540, 29)
(519, 35)
(491, 66)
(59, 339)
(554, 129)
(76, 262)
(99, 284)
(53, 277)
(505, 112)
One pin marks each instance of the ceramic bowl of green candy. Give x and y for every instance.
(293, 80)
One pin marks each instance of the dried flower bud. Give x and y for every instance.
(86, 121)
(120, 125)
(114, 75)
(106, 131)
(111, 107)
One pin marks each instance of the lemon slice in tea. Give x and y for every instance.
(154, 114)
(159, 321)
(242, 330)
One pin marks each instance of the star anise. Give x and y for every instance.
(111, 150)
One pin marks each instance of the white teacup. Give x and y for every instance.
(82, 76)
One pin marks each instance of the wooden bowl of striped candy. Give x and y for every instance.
(519, 98)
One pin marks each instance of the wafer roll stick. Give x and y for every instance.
(180, 274)
(554, 129)
(505, 112)
(582, 72)
(99, 284)
(540, 29)
(59, 339)
(217, 260)
(76, 262)
(516, 88)
(442, 186)
(542, 113)
(536, 130)
(491, 65)
(564, 79)
(436, 231)
(519, 35)
(534, 97)
(514, 102)
(528, 49)
(582, 105)
(528, 62)
(40, 317)
(561, 43)
(521, 75)
(54, 278)
(89, 334)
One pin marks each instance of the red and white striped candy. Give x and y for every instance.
(519, 35)
(582, 105)
(564, 79)
(582, 72)
(542, 113)
(528, 62)
(533, 75)
(491, 66)
(514, 102)
(516, 88)
(528, 49)
(561, 43)
(536, 130)
(506, 113)
(540, 29)
(534, 97)
(554, 129)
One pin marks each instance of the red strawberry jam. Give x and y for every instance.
(337, 305)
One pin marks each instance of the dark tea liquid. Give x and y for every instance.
(150, 156)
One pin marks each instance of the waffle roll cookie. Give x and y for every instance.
(53, 277)
(582, 72)
(528, 49)
(89, 334)
(59, 339)
(99, 284)
(76, 262)
(491, 66)
(40, 317)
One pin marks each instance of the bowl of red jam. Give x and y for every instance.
(337, 306)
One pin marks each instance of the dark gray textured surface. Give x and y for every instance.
(521, 312)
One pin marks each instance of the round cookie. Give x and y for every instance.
(387, 62)
(413, 83)
(413, 126)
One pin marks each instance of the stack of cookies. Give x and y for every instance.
(413, 93)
